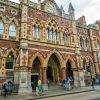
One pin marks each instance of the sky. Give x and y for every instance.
(88, 8)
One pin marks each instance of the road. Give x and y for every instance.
(94, 95)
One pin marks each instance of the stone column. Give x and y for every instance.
(24, 80)
(16, 75)
(76, 77)
(44, 78)
(80, 70)
(81, 77)
(44, 74)
(40, 74)
(63, 73)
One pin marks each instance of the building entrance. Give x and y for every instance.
(35, 72)
(53, 70)
(34, 81)
(69, 71)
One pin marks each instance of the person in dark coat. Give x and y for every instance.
(5, 88)
(93, 82)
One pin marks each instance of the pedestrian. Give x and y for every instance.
(5, 88)
(97, 81)
(93, 82)
(39, 88)
(10, 87)
(69, 83)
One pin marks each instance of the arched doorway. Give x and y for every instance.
(53, 70)
(35, 73)
(69, 71)
(10, 64)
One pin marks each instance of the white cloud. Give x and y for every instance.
(89, 8)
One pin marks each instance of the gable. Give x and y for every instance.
(50, 6)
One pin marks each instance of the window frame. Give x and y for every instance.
(12, 32)
(2, 28)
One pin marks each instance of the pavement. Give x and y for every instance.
(50, 93)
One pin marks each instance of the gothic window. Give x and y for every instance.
(1, 28)
(48, 33)
(90, 66)
(12, 30)
(36, 31)
(81, 42)
(52, 34)
(56, 35)
(66, 38)
(10, 61)
(36, 65)
(86, 41)
(84, 64)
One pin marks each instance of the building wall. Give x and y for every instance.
(26, 47)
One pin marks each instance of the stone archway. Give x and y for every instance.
(53, 69)
(10, 65)
(35, 72)
(69, 70)
(72, 71)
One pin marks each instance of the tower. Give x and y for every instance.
(71, 12)
(39, 4)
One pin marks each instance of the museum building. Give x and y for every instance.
(40, 41)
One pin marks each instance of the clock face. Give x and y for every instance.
(51, 8)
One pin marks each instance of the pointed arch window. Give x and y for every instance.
(36, 31)
(90, 66)
(1, 27)
(84, 64)
(48, 31)
(12, 30)
(10, 61)
(86, 41)
(66, 38)
(87, 44)
(81, 42)
(36, 65)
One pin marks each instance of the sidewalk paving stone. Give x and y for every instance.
(50, 93)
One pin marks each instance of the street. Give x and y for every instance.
(93, 95)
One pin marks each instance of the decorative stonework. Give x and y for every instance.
(26, 48)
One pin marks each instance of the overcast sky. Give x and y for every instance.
(89, 8)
